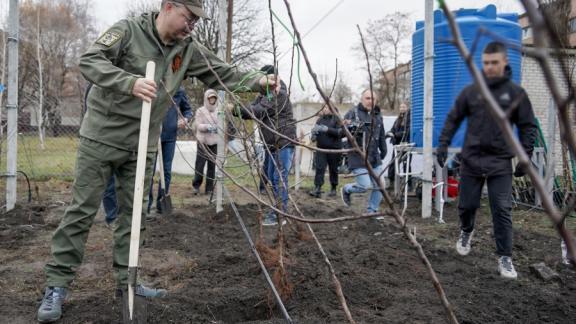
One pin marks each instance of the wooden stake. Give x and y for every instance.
(138, 193)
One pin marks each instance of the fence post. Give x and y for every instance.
(12, 106)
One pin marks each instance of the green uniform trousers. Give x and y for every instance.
(95, 164)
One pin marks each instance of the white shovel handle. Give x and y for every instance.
(140, 173)
(139, 188)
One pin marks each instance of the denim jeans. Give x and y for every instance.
(364, 183)
(168, 149)
(279, 164)
(264, 178)
(110, 201)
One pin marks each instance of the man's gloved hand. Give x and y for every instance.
(318, 129)
(313, 137)
(441, 155)
(389, 135)
(519, 171)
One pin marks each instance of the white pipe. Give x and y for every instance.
(428, 108)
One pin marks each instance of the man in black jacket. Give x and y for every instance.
(274, 109)
(366, 125)
(328, 135)
(486, 156)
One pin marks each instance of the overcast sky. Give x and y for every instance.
(333, 38)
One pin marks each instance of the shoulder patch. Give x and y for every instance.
(109, 38)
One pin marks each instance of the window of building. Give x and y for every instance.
(526, 32)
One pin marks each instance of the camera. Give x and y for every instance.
(357, 127)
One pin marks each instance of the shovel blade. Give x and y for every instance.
(140, 310)
(165, 204)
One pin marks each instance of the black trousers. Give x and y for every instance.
(332, 160)
(203, 156)
(500, 198)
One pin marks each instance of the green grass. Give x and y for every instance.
(240, 171)
(59, 156)
(56, 160)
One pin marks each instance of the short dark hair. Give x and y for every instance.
(495, 47)
(269, 69)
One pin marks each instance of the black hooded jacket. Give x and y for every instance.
(275, 112)
(485, 151)
(401, 128)
(374, 137)
(332, 138)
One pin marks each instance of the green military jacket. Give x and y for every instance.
(119, 57)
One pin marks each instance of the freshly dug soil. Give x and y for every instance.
(206, 263)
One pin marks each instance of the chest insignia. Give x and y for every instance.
(505, 97)
(176, 63)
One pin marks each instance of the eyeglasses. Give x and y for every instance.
(190, 20)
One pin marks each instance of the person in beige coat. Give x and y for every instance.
(206, 125)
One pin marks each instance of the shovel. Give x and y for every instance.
(137, 214)
(164, 197)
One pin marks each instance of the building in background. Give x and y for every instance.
(395, 87)
(564, 19)
(533, 80)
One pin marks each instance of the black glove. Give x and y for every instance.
(441, 155)
(519, 171)
(318, 129)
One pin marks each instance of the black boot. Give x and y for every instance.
(315, 192)
(332, 191)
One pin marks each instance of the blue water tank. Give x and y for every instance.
(451, 74)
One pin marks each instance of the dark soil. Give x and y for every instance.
(205, 262)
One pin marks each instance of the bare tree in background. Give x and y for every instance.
(249, 39)
(388, 42)
(57, 32)
(342, 91)
(138, 7)
(560, 10)
(560, 13)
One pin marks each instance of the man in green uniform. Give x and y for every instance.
(116, 65)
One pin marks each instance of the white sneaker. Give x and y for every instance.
(463, 245)
(506, 268)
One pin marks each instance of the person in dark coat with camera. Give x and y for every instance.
(365, 123)
(327, 133)
(486, 157)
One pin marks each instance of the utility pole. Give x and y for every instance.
(225, 21)
(3, 79)
(12, 106)
(549, 174)
(428, 108)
